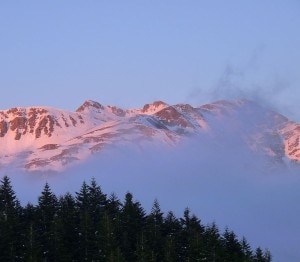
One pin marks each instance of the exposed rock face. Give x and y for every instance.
(291, 135)
(3, 128)
(157, 105)
(34, 121)
(117, 111)
(170, 116)
(49, 147)
(90, 104)
(46, 138)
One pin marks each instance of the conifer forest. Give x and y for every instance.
(92, 226)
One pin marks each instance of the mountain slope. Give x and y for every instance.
(43, 138)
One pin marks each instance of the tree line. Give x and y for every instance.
(91, 226)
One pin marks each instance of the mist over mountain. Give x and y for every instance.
(42, 138)
(235, 162)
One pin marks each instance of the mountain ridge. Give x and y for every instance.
(46, 138)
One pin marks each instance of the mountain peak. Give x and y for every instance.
(154, 107)
(43, 138)
(89, 104)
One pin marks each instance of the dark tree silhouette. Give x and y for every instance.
(92, 227)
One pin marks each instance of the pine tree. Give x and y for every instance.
(213, 247)
(191, 238)
(29, 223)
(91, 227)
(67, 228)
(85, 228)
(184, 238)
(47, 227)
(97, 202)
(196, 239)
(155, 241)
(261, 256)
(246, 250)
(111, 230)
(267, 256)
(171, 232)
(9, 222)
(232, 248)
(133, 222)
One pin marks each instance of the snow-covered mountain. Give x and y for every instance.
(44, 138)
(234, 162)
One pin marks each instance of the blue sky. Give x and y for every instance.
(128, 53)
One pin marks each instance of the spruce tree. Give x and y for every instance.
(184, 237)
(171, 232)
(258, 257)
(232, 247)
(196, 240)
(133, 222)
(47, 227)
(155, 240)
(9, 222)
(212, 241)
(30, 228)
(246, 250)
(67, 228)
(97, 201)
(111, 230)
(267, 255)
(261, 256)
(85, 225)
(91, 227)
(191, 238)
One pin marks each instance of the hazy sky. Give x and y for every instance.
(128, 53)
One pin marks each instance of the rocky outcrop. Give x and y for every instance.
(56, 138)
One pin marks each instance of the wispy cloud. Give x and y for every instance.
(245, 81)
